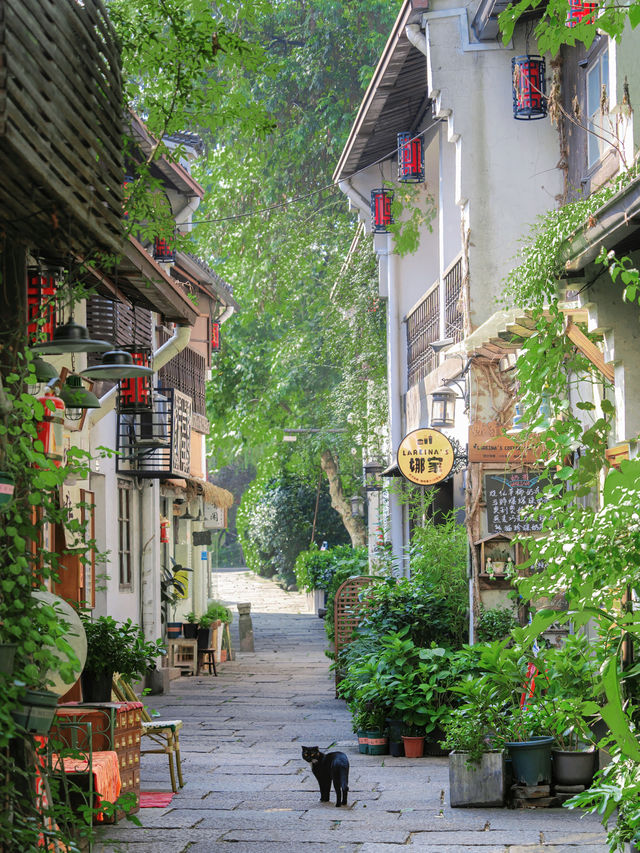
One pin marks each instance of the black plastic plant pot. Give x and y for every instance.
(7, 485)
(96, 686)
(190, 630)
(574, 768)
(396, 748)
(7, 657)
(36, 711)
(531, 760)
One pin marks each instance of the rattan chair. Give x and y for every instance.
(165, 734)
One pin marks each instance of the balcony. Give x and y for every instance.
(453, 317)
(156, 443)
(423, 326)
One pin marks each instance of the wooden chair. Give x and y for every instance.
(165, 734)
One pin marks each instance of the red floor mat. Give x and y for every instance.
(155, 799)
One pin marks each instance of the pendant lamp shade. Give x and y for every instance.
(77, 398)
(116, 365)
(44, 372)
(71, 337)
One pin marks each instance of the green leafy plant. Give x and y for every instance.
(192, 617)
(119, 647)
(495, 623)
(216, 611)
(172, 588)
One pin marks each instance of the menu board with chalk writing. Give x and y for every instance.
(507, 495)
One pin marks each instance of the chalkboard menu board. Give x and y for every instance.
(506, 495)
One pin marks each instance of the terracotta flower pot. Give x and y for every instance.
(413, 746)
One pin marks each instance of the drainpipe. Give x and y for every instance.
(190, 208)
(350, 191)
(394, 362)
(176, 343)
(228, 311)
(417, 37)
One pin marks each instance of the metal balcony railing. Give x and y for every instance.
(453, 318)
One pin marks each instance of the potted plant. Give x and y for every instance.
(573, 753)
(477, 774)
(115, 647)
(172, 590)
(36, 709)
(217, 614)
(190, 627)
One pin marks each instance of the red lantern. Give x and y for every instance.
(215, 337)
(164, 531)
(529, 94)
(381, 216)
(135, 394)
(50, 429)
(126, 186)
(163, 251)
(41, 308)
(410, 159)
(580, 12)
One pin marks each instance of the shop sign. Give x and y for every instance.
(507, 495)
(425, 457)
(488, 443)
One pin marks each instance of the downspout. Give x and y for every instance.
(417, 37)
(190, 207)
(394, 362)
(176, 343)
(228, 311)
(350, 191)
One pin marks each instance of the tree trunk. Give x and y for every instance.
(355, 526)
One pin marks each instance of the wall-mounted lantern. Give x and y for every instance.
(381, 216)
(529, 92)
(443, 408)
(518, 423)
(357, 506)
(373, 475)
(41, 293)
(215, 336)
(579, 11)
(410, 159)
(163, 251)
(135, 391)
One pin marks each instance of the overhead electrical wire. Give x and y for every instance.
(332, 186)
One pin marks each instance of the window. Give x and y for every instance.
(124, 535)
(598, 118)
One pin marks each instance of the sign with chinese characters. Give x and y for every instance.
(506, 495)
(425, 457)
(214, 517)
(488, 443)
(181, 435)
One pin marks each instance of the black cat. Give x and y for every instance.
(327, 768)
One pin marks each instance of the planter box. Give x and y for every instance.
(316, 600)
(478, 785)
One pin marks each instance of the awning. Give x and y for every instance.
(391, 471)
(196, 487)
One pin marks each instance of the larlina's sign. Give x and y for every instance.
(425, 457)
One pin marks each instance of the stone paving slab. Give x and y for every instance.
(249, 791)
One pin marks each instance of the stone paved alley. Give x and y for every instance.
(248, 791)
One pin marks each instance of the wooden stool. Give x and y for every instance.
(207, 657)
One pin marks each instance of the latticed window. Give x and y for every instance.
(124, 535)
(186, 372)
(453, 319)
(423, 326)
(109, 320)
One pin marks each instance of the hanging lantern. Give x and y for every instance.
(410, 159)
(43, 372)
(215, 337)
(71, 337)
(163, 251)
(580, 12)
(529, 98)
(41, 291)
(164, 530)
(135, 392)
(381, 216)
(76, 398)
(50, 430)
(116, 365)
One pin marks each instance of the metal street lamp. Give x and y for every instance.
(373, 475)
(357, 506)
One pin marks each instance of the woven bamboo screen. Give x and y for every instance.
(346, 608)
